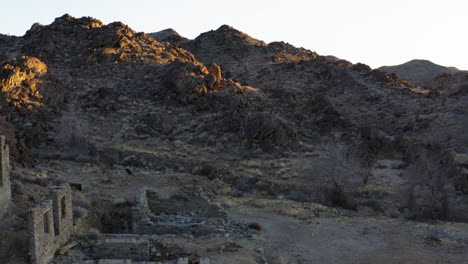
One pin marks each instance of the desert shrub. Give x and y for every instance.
(374, 205)
(255, 226)
(79, 212)
(340, 173)
(302, 194)
(245, 184)
(17, 186)
(82, 203)
(206, 168)
(73, 138)
(429, 193)
(12, 242)
(335, 194)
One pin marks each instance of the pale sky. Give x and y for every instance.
(374, 32)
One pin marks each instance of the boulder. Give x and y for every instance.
(19, 80)
(268, 131)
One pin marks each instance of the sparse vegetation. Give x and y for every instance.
(255, 226)
(73, 138)
(236, 132)
(431, 187)
(341, 174)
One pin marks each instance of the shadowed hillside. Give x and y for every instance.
(227, 149)
(420, 72)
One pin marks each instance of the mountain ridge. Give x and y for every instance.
(251, 149)
(419, 71)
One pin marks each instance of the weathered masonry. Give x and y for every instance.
(5, 186)
(50, 225)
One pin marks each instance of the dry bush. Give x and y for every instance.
(245, 184)
(302, 194)
(340, 173)
(81, 205)
(79, 212)
(429, 193)
(205, 168)
(72, 138)
(12, 242)
(255, 226)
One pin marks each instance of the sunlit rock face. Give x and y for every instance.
(19, 80)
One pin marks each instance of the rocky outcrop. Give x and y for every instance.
(87, 40)
(451, 84)
(19, 80)
(268, 131)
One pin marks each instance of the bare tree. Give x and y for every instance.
(72, 137)
(428, 196)
(341, 172)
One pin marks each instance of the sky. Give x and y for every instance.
(374, 32)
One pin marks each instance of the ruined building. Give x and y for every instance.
(50, 225)
(5, 187)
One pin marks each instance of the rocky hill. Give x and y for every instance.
(169, 35)
(304, 154)
(420, 72)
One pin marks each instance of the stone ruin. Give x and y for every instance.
(51, 225)
(182, 213)
(154, 221)
(5, 186)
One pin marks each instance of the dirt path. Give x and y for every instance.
(357, 240)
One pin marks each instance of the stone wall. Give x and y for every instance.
(141, 222)
(5, 186)
(63, 213)
(128, 247)
(42, 233)
(182, 213)
(50, 225)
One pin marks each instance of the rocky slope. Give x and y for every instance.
(274, 134)
(169, 35)
(420, 72)
(451, 84)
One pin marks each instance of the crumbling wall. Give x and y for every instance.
(63, 213)
(50, 225)
(5, 186)
(42, 247)
(140, 213)
(123, 246)
(182, 213)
